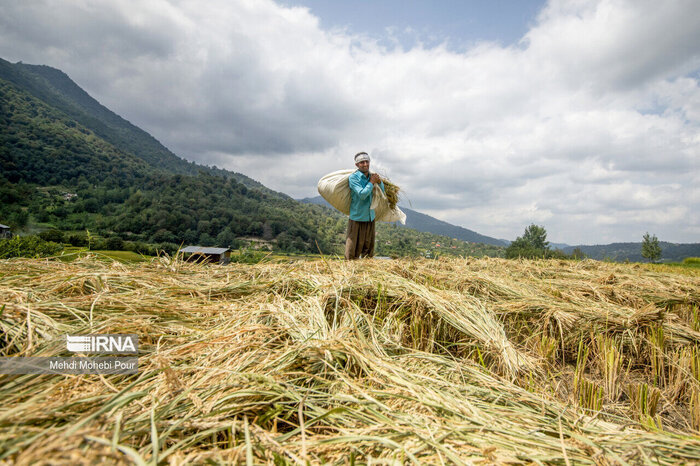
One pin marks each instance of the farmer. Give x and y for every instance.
(359, 241)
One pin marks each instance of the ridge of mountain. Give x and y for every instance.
(55, 88)
(424, 222)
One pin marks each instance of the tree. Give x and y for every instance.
(226, 238)
(533, 244)
(536, 236)
(650, 247)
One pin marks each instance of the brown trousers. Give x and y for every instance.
(359, 240)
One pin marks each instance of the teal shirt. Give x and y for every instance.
(361, 192)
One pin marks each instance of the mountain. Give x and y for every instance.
(561, 246)
(55, 89)
(426, 223)
(670, 252)
(423, 222)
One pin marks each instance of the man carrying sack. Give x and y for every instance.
(359, 241)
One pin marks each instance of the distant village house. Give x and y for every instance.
(5, 231)
(205, 254)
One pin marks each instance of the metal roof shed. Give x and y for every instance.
(206, 254)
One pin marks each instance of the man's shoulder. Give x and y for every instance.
(356, 175)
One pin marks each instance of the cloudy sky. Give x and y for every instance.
(582, 116)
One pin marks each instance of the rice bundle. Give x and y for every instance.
(451, 361)
(392, 192)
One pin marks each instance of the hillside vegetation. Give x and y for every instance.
(412, 361)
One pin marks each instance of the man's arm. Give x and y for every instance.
(362, 191)
(376, 179)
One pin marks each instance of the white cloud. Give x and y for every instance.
(589, 126)
(617, 44)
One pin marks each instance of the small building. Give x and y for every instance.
(5, 231)
(205, 254)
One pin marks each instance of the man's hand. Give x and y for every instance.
(375, 179)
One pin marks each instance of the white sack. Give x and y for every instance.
(382, 211)
(335, 189)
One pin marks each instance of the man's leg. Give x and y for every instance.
(365, 239)
(369, 241)
(351, 240)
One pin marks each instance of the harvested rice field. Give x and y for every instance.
(450, 361)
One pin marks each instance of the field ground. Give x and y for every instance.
(455, 361)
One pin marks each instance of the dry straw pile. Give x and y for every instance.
(435, 362)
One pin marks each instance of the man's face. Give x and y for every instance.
(363, 166)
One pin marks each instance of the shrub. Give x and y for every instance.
(169, 248)
(98, 244)
(140, 247)
(248, 256)
(52, 235)
(114, 243)
(77, 239)
(28, 246)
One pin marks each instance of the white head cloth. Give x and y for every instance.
(361, 157)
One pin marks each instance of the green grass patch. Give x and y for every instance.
(72, 253)
(684, 268)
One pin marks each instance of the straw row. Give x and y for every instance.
(450, 361)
